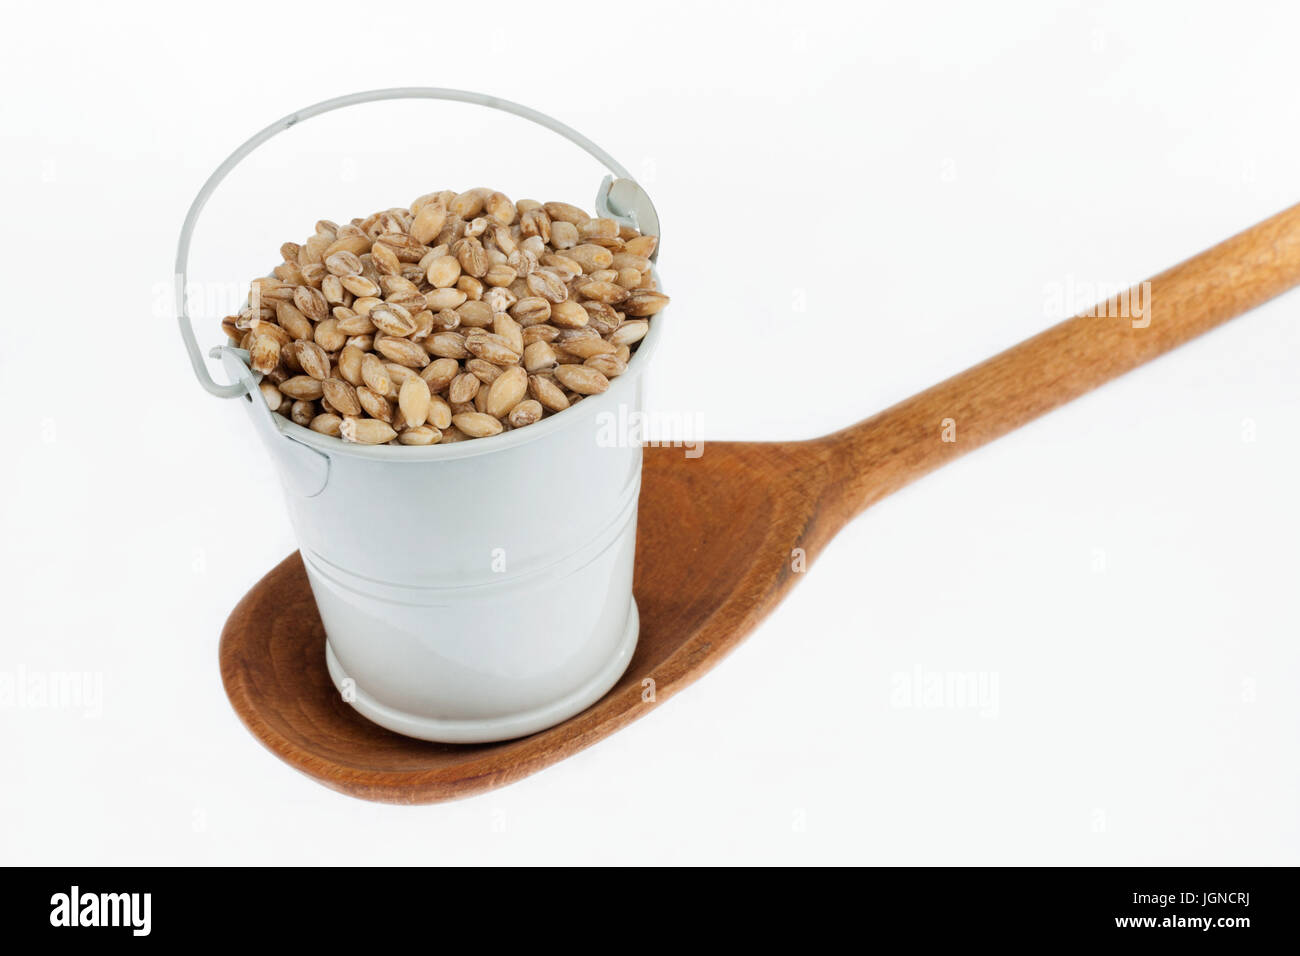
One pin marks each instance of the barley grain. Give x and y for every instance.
(329, 336)
(564, 212)
(302, 413)
(375, 375)
(326, 423)
(419, 435)
(484, 371)
(446, 345)
(366, 431)
(644, 302)
(463, 388)
(414, 398)
(313, 359)
(629, 333)
(477, 424)
(525, 413)
(342, 396)
(374, 404)
(492, 347)
(265, 353)
(402, 351)
(439, 373)
(302, 387)
(271, 395)
(549, 394)
(581, 379)
(507, 391)
(608, 365)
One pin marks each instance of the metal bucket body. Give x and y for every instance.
(477, 596)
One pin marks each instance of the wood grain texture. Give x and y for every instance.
(897, 446)
(716, 535)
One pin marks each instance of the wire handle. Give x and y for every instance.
(638, 201)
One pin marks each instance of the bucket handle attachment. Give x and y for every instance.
(620, 197)
(304, 471)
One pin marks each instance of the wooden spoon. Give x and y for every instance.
(717, 536)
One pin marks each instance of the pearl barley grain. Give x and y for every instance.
(453, 319)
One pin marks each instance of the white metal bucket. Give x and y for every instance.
(475, 591)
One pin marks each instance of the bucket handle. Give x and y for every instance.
(619, 198)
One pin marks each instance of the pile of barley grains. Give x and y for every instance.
(462, 316)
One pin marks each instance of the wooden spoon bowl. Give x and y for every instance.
(695, 599)
(717, 536)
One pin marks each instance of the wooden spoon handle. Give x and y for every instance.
(902, 443)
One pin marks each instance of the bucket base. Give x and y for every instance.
(497, 728)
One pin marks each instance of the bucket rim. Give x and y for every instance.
(611, 398)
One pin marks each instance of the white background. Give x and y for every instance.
(925, 180)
